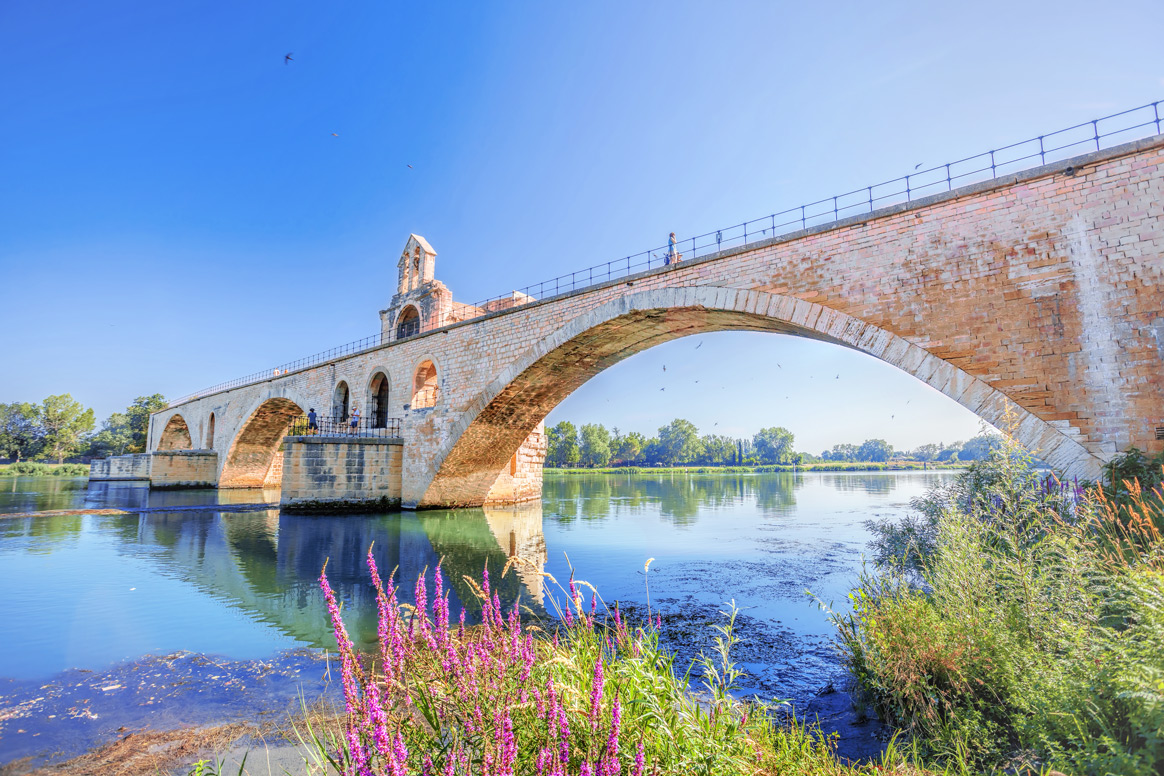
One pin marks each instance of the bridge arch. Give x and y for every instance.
(176, 435)
(253, 460)
(209, 444)
(481, 443)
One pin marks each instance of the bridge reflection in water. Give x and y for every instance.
(267, 564)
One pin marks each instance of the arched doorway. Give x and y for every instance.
(176, 435)
(340, 402)
(254, 460)
(408, 323)
(378, 400)
(425, 389)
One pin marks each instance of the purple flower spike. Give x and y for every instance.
(596, 693)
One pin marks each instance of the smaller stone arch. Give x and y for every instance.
(408, 322)
(425, 385)
(341, 399)
(254, 459)
(209, 444)
(378, 399)
(176, 435)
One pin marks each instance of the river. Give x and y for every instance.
(193, 614)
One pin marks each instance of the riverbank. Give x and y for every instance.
(826, 466)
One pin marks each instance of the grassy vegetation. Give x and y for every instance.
(1020, 620)
(592, 694)
(825, 466)
(32, 469)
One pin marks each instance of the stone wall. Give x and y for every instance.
(184, 469)
(330, 473)
(121, 467)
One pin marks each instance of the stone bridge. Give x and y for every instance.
(1033, 300)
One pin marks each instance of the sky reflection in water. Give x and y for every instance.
(91, 591)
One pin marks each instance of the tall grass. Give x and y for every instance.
(1024, 620)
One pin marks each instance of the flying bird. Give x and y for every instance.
(410, 167)
(778, 366)
(838, 377)
(335, 134)
(287, 58)
(662, 389)
(919, 164)
(664, 367)
(697, 347)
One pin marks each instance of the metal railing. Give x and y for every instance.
(1094, 135)
(334, 425)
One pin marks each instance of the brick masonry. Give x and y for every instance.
(338, 472)
(1033, 300)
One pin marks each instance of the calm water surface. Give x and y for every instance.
(93, 592)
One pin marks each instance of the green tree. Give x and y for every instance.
(678, 442)
(114, 438)
(63, 421)
(138, 417)
(773, 445)
(595, 445)
(717, 450)
(874, 450)
(928, 452)
(979, 448)
(840, 453)
(20, 432)
(562, 445)
(629, 449)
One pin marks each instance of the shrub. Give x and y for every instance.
(1034, 622)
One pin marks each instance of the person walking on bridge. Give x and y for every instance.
(355, 419)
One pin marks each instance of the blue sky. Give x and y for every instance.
(175, 210)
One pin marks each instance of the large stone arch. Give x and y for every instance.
(481, 442)
(176, 435)
(253, 460)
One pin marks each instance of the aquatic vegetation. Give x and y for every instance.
(1034, 623)
(590, 694)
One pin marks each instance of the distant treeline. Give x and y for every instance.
(679, 443)
(61, 427)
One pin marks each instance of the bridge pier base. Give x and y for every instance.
(161, 469)
(175, 469)
(338, 474)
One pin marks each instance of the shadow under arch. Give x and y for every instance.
(252, 459)
(176, 435)
(495, 424)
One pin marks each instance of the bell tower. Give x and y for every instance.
(417, 266)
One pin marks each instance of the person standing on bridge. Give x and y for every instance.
(671, 256)
(312, 422)
(355, 419)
